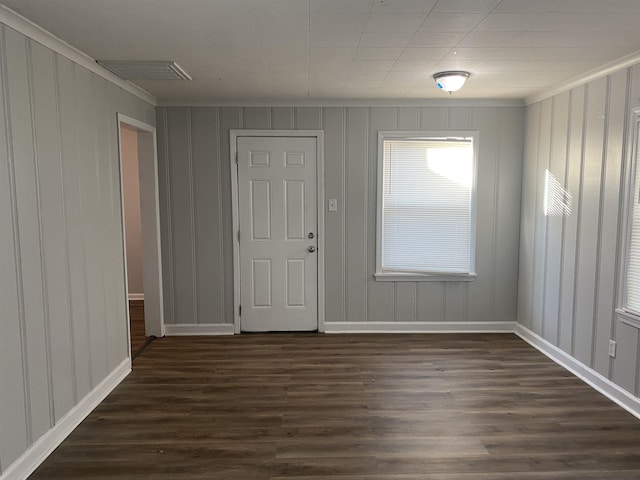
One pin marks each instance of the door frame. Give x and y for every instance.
(233, 143)
(153, 326)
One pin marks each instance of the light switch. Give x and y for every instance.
(333, 205)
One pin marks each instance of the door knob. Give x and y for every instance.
(311, 249)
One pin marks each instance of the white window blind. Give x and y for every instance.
(633, 257)
(427, 205)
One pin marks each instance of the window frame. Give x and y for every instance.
(398, 276)
(625, 315)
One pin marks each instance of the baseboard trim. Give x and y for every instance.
(26, 464)
(419, 327)
(199, 329)
(136, 296)
(588, 375)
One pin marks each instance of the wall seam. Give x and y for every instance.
(84, 269)
(546, 221)
(43, 262)
(220, 217)
(345, 235)
(366, 218)
(195, 270)
(567, 165)
(603, 181)
(16, 240)
(621, 211)
(496, 217)
(579, 218)
(65, 216)
(534, 268)
(172, 241)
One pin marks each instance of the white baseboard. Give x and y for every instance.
(136, 296)
(588, 375)
(199, 329)
(419, 327)
(42, 448)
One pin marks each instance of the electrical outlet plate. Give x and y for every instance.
(612, 348)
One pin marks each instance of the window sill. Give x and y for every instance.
(631, 319)
(424, 277)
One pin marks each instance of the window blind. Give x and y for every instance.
(633, 258)
(426, 217)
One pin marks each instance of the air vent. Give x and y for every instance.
(145, 70)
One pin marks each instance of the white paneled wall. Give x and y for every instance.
(568, 272)
(195, 197)
(62, 300)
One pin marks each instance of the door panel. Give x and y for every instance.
(278, 211)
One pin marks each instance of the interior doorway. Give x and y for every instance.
(141, 232)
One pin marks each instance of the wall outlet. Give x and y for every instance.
(612, 348)
(333, 205)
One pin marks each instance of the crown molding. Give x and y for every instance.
(38, 34)
(383, 102)
(602, 71)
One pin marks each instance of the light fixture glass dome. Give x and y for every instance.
(451, 81)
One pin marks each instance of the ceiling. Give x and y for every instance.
(307, 50)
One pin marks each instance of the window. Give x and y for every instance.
(630, 311)
(426, 206)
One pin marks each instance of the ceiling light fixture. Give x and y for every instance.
(451, 81)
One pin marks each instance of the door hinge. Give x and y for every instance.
(238, 235)
(236, 158)
(240, 310)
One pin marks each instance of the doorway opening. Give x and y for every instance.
(141, 232)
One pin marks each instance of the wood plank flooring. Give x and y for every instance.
(349, 407)
(136, 318)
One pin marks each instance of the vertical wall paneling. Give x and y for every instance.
(479, 293)
(351, 160)
(589, 221)
(166, 223)
(13, 394)
(356, 212)
(207, 214)
(553, 197)
(75, 233)
(571, 222)
(27, 196)
(616, 116)
(382, 295)
(507, 228)
(257, 117)
(182, 214)
(334, 131)
(307, 118)
(53, 228)
(589, 140)
(62, 298)
(540, 220)
(229, 118)
(282, 118)
(527, 222)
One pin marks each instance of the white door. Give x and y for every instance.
(278, 233)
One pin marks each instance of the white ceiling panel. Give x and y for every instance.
(385, 39)
(403, 6)
(394, 22)
(466, 6)
(508, 22)
(246, 50)
(451, 22)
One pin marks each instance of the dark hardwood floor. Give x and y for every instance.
(136, 317)
(350, 407)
